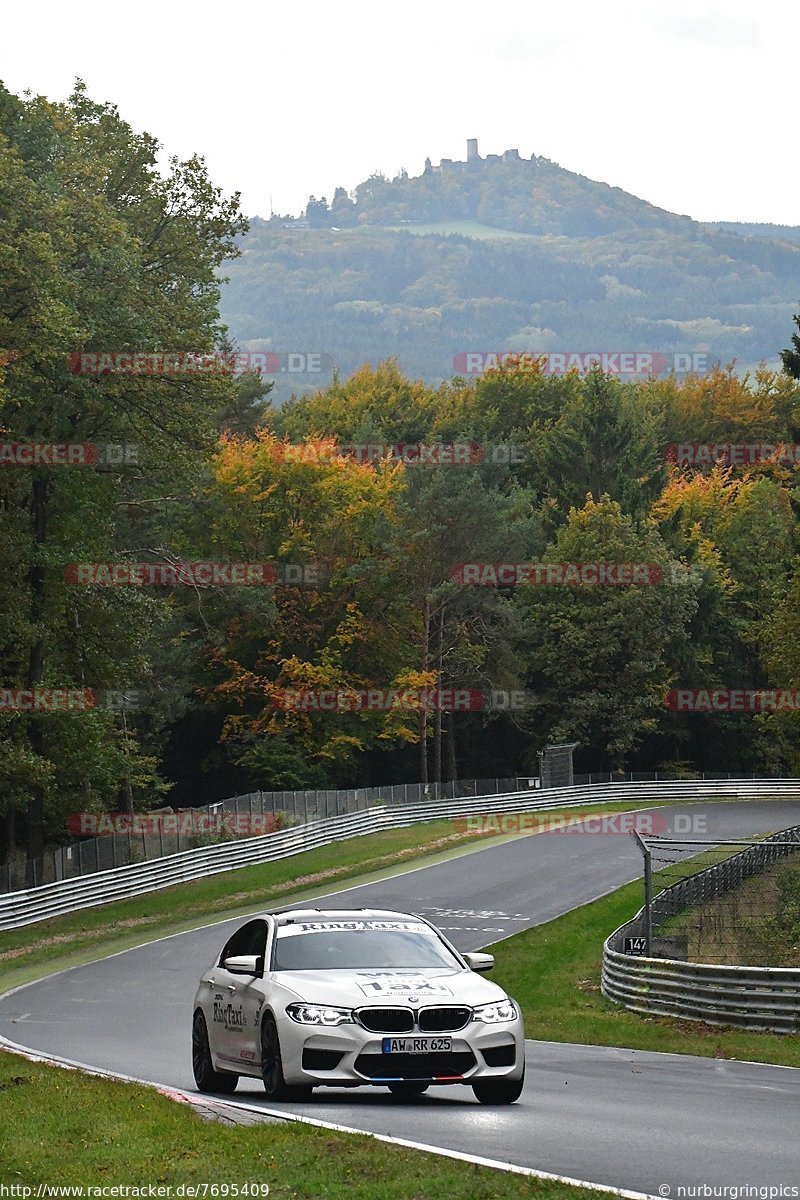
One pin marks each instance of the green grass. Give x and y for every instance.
(553, 971)
(51, 945)
(63, 1127)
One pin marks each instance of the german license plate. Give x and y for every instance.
(426, 1045)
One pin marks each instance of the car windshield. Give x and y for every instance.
(350, 945)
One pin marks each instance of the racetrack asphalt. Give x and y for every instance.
(624, 1118)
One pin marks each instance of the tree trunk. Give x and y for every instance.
(36, 579)
(437, 735)
(423, 714)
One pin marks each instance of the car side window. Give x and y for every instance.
(250, 939)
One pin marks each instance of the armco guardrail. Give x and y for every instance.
(766, 998)
(113, 850)
(36, 904)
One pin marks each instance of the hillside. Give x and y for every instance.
(506, 255)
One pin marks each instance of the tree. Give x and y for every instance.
(275, 502)
(791, 357)
(318, 214)
(343, 209)
(597, 657)
(605, 442)
(104, 253)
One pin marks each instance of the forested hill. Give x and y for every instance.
(519, 255)
(789, 233)
(521, 195)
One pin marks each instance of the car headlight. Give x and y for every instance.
(495, 1013)
(319, 1014)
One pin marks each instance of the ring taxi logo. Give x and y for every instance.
(381, 983)
(227, 1015)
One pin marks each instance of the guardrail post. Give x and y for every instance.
(648, 889)
(648, 901)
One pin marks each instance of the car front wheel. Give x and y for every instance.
(206, 1078)
(275, 1085)
(498, 1091)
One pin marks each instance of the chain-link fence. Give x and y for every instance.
(732, 904)
(112, 850)
(156, 838)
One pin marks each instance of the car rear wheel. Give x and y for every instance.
(408, 1087)
(498, 1091)
(206, 1078)
(275, 1085)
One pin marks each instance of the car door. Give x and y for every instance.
(237, 1001)
(251, 994)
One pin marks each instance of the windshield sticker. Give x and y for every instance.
(382, 983)
(355, 927)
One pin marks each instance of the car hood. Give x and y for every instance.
(354, 988)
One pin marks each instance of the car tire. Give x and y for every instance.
(407, 1088)
(499, 1091)
(206, 1078)
(275, 1085)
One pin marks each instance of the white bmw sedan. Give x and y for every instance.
(348, 998)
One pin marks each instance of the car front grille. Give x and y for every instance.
(443, 1019)
(415, 1066)
(386, 1020)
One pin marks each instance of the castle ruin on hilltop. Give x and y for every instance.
(473, 160)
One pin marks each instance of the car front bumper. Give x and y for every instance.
(349, 1055)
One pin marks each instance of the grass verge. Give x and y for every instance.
(64, 1128)
(33, 951)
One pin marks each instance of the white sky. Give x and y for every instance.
(690, 104)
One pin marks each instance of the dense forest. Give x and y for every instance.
(360, 581)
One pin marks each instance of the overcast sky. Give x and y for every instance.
(691, 104)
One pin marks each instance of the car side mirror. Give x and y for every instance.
(479, 962)
(245, 964)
